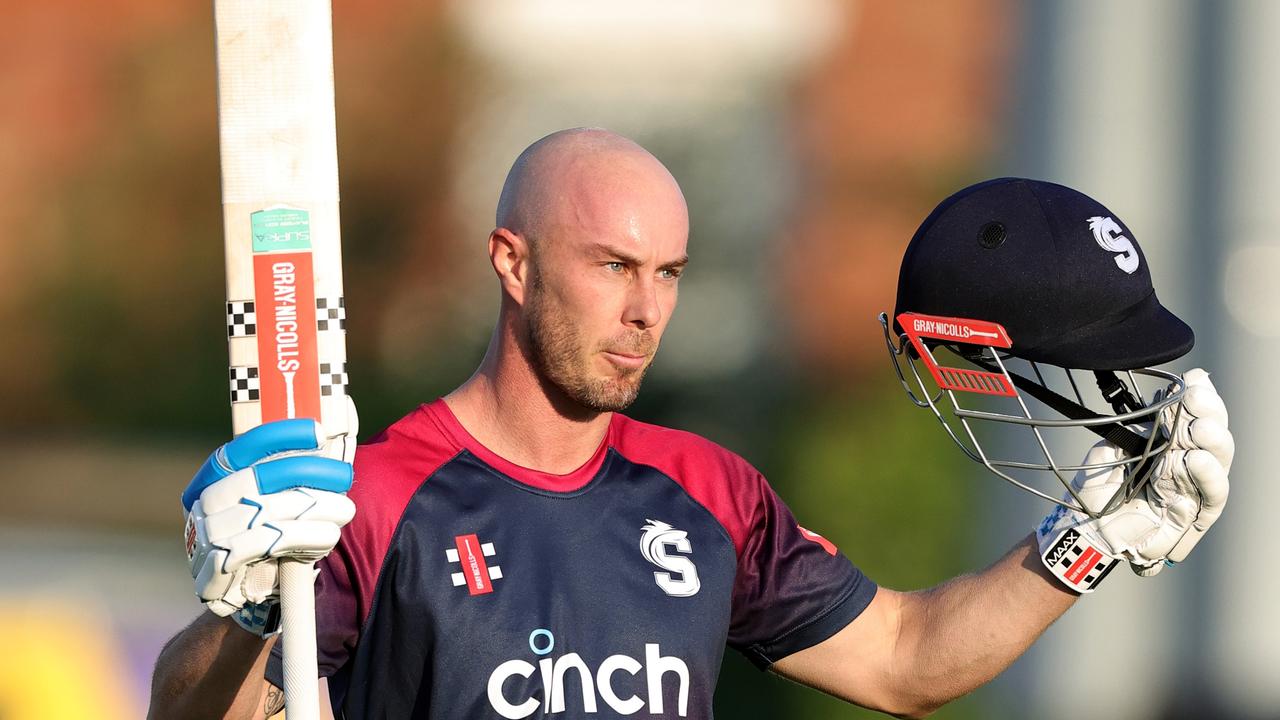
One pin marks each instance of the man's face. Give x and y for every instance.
(602, 288)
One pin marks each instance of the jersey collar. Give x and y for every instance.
(448, 423)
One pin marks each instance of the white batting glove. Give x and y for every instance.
(1159, 527)
(275, 491)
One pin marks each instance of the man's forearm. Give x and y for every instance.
(960, 634)
(212, 669)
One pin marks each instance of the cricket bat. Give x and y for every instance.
(285, 311)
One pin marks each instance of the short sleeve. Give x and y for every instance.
(337, 618)
(794, 588)
(389, 469)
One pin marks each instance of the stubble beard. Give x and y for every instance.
(559, 356)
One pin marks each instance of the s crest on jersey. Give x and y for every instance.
(680, 578)
(1110, 237)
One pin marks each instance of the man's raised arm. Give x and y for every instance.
(278, 490)
(910, 653)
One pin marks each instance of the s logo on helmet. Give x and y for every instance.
(658, 536)
(1110, 236)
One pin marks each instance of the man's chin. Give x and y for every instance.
(609, 396)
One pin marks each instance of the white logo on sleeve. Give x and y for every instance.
(681, 577)
(1110, 236)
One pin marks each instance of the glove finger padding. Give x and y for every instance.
(1146, 529)
(250, 584)
(271, 477)
(257, 526)
(1200, 403)
(1095, 487)
(1185, 495)
(271, 442)
(1209, 477)
(305, 539)
(297, 504)
(282, 438)
(1205, 402)
(1213, 436)
(339, 443)
(274, 491)
(1203, 469)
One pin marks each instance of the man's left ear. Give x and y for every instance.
(509, 257)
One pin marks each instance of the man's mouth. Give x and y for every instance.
(626, 360)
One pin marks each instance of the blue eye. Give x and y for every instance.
(615, 266)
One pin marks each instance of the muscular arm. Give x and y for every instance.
(910, 653)
(213, 669)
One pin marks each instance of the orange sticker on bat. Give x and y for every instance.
(284, 286)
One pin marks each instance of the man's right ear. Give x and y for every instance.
(509, 256)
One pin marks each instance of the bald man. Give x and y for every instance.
(520, 548)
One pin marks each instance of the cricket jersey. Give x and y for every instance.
(471, 587)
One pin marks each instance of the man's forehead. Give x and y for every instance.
(626, 219)
(625, 200)
(580, 186)
(617, 192)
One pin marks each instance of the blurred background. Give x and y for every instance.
(811, 137)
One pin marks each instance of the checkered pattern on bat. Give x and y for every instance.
(331, 314)
(242, 321)
(333, 378)
(245, 385)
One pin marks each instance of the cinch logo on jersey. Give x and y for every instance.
(657, 537)
(1108, 233)
(476, 573)
(596, 686)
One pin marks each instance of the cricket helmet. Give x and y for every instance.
(1033, 286)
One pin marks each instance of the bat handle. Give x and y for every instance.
(298, 608)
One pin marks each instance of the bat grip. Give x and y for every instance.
(298, 608)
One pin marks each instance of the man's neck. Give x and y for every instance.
(506, 407)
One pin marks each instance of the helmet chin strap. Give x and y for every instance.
(1116, 392)
(1113, 390)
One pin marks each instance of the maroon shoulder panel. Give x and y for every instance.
(718, 479)
(793, 587)
(389, 469)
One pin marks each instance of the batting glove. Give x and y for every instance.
(1164, 521)
(275, 491)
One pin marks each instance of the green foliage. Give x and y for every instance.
(133, 311)
(126, 307)
(878, 477)
(875, 475)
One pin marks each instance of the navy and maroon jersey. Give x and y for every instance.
(470, 587)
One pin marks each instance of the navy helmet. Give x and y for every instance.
(1027, 283)
(1061, 272)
